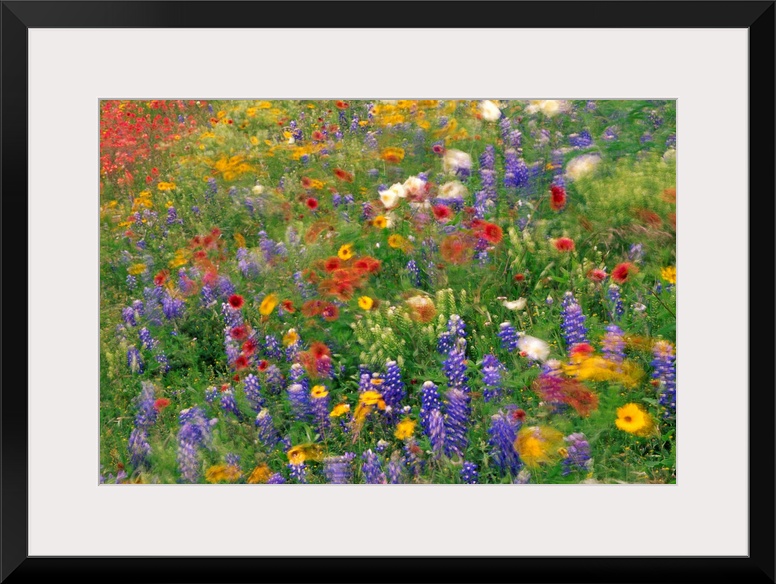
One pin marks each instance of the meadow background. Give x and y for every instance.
(394, 291)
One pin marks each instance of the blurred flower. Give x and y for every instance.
(390, 197)
(422, 308)
(365, 303)
(268, 304)
(452, 190)
(392, 155)
(549, 107)
(405, 429)
(564, 244)
(622, 272)
(533, 348)
(457, 162)
(518, 304)
(582, 166)
(634, 419)
(668, 274)
(557, 197)
(538, 445)
(489, 111)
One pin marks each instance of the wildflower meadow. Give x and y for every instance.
(388, 291)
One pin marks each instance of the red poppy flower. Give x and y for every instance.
(317, 136)
(519, 414)
(197, 240)
(241, 362)
(238, 333)
(368, 264)
(312, 203)
(597, 275)
(263, 364)
(332, 263)
(161, 277)
(319, 350)
(215, 232)
(519, 277)
(564, 244)
(490, 232)
(581, 349)
(557, 197)
(288, 306)
(622, 272)
(442, 213)
(330, 312)
(457, 248)
(343, 175)
(210, 277)
(306, 182)
(236, 377)
(312, 308)
(342, 104)
(649, 217)
(249, 347)
(236, 301)
(161, 403)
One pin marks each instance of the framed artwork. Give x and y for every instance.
(407, 300)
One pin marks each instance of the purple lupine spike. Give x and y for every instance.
(372, 469)
(298, 472)
(457, 412)
(578, 454)
(228, 403)
(469, 474)
(135, 361)
(664, 372)
(274, 380)
(492, 370)
(508, 336)
(194, 433)
(436, 425)
(267, 433)
(395, 471)
(573, 325)
(614, 344)
(299, 400)
(429, 401)
(393, 387)
(503, 433)
(617, 309)
(338, 470)
(252, 388)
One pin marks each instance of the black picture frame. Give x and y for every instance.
(17, 566)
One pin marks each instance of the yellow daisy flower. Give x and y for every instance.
(365, 303)
(268, 304)
(345, 252)
(634, 419)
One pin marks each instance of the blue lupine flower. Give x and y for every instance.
(147, 341)
(515, 170)
(274, 380)
(436, 424)
(455, 366)
(194, 432)
(457, 411)
(503, 433)
(429, 401)
(614, 344)
(577, 453)
(581, 140)
(664, 364)
(276, 479)
(267, 433)
(299, 399)
(395, 471)
(414, 273)
(135, 361)
(172, 307)
(298, 472)
(469, 474)
(617, 306)
(573, 325)
(338, 470)
(393, 387)
(228, 403)
(492, 370)
(372, 469)
(508, 336)
(253, 392)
